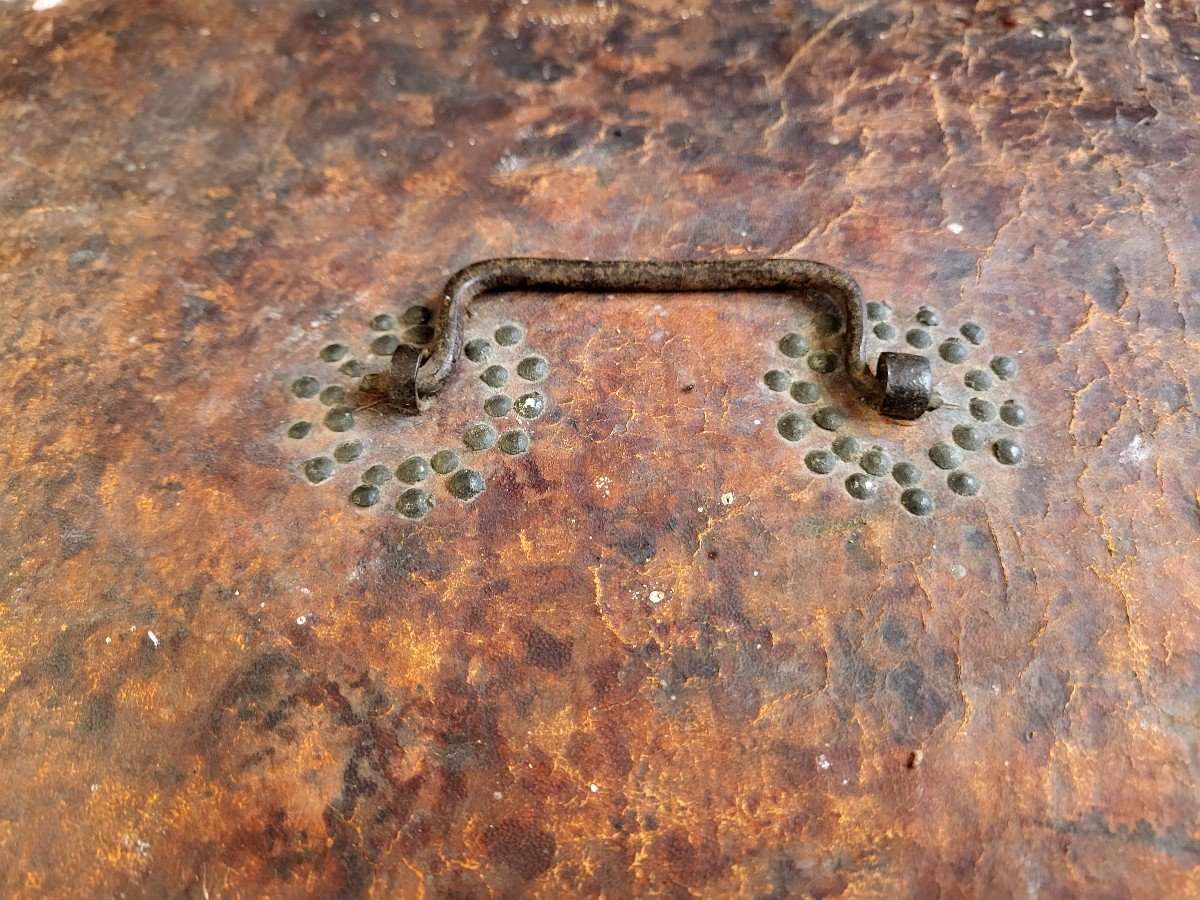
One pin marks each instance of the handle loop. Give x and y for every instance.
(901, 387)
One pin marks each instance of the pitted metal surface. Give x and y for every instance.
(938, 461)
(979, 429)
(344, 431)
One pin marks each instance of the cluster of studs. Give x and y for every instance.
(465, 484)
(872, 464)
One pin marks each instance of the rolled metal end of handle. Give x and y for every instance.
(398, 385)
(907, 383)
(402, 390)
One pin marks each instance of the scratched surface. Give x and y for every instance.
(657, 654)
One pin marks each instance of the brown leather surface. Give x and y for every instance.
(657, 654)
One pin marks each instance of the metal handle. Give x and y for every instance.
(901, 387)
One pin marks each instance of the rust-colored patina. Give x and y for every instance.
(647, 601)
(900, 385)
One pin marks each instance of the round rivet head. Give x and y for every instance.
(827, 324)
(413, 470)
(530, 406)
(508, 335)
(830, 418)
(876, 311)
(385, 345)
(415, 504)
(300, 430)
(318, 469)
(847, 448)
(927, 316)
(444, 462)
(983, 410)
(514, 442)
(875, 461)
(917, 502)
(333, 394)
(968, 437)
(792, 426)
(419, 334)
(978, 380)
(952, 350)
(533, 368)
(919, 338)
(906, 474)
(349, 451)
(494, 376)
(480, 436)
(822, 361)
(467, 484)
(974, 333)
(377, 475)
(885, 331)
(805, 392)
(306, 387)
(793, 345)
(365, 495)
(1005, 367)
(963, 483)
(417, 315)
(383, 322)
(340, 418)
(1008, 451)
(861, 487)
(353, 368)
(334, 352)
(478, 350)
(778, 380)
(821, 462)
(1013, 413)
(500, 405)
(945, 456)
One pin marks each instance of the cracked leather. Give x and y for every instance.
(656, 655)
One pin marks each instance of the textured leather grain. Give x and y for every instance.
(257, 638)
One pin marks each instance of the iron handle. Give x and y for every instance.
(901, 387)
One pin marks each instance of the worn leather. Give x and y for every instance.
(658, 654)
